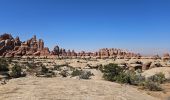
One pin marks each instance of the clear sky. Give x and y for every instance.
(139, 25)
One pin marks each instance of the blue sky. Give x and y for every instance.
(139, 25)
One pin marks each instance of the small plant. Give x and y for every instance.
(81, 73)
(159, 78)
(44, 69)
(100, 67)
(44, 72)
(64, 73)
(16, 71)
(152, 86)
(130, 77)
(85, 75)
(57, 67)
(9, 60)
(3, 65)
(76, 72)
(111, 72)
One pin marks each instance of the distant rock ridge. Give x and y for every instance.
(13, 47)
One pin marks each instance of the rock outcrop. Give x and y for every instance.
(102, 53)
(10, 47)
(13, 47)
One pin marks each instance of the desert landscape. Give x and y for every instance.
(84, 50)
(30, 71)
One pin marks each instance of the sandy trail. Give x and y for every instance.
(33, 88)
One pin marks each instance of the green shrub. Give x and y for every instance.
(3, 65)
(31, 65)
(57, 67)
(64, 73)
(159, 78)
(111, 72)
(44, 72)
(81, 73)
(44, 69)
(85, 75)
(16, 71)
(100, 67)
(152, 86)
(49, 75)
(76, 72)
(130, 77)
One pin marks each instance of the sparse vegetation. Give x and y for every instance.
(114, 73)
(152, 83)
(76, 72)
(64, 73)
(82, 74)
(85, 75)
(111, 72)
(17, 71)
(44, 72)
(158, 78)
(152, 86)
(3, 65)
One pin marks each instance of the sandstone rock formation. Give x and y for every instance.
(10, 47)
(102, 53)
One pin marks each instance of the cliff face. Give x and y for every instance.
(10, 47)
(13, 47)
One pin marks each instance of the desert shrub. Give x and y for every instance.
(16, 71)
(3, 65)
(153, 82)
(32, 68)
(57, 67)
(44, 69)
(159, 78)
(9, 60)
(111, 72)
(49, 74)
(31, 65)
(64, 73)
(123, 78)
(44, 72)
(137, 79)
(85, 75)
(100, 67)
(76, 72)
(152, 86)
(82, 74)
(130, 77)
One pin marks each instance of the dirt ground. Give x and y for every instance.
(163, 95)
(34, 88)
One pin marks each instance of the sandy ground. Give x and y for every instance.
(163, 95)
(33, 88)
